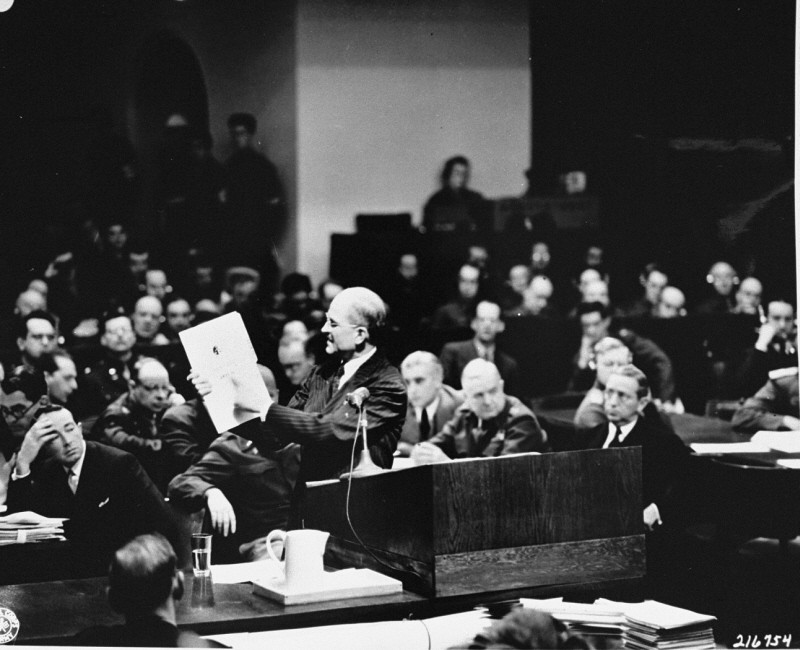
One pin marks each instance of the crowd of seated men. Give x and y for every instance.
(96, 392)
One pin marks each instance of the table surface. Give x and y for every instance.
(52, 611)
(693, 428)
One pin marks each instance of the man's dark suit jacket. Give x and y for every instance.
(664, 461)
(456, 355)
(115, 501)
(257, 484)
(325, 423)
(187, 431)
(449, 401)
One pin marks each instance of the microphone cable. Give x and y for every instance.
(347, 507)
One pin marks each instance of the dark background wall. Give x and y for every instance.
(682, 113)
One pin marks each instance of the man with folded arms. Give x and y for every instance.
(489, 422)
(104, 492)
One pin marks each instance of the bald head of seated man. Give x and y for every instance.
(489, 422)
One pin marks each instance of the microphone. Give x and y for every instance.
(358, 397)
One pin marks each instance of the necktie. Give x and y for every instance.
(337, 379)
(424, 426)
(72, 481)
(615, 441)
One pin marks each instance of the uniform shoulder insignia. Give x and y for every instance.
(780, 373)
(518, 409)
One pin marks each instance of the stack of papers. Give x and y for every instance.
(655, 625)
(715, 448)
(602, 618)
(23, 527)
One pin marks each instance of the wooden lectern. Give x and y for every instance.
(491, 523)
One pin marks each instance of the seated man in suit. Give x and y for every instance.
(775, 348)
(610, 355)
(144, 585)
(664, 456)
(430, 402)
(19, 396)
(486, 324)
(775, 407)
(245, 490)
(596, 323)
(488, 423)
(319, 416)
(104, 492)
(187, 430)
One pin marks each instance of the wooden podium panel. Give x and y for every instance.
(490, 523)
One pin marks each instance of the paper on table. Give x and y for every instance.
(751, 447)
(220, 350)
(791, 463)
(28, 518)
(229, 574)
(785, 441)
(659, 615)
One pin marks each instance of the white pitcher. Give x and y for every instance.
(304, 549)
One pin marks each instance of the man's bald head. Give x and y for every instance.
(671, 303)
(537, 295)
(29, 301)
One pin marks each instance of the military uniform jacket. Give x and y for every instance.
(127, 425)
(515, 430)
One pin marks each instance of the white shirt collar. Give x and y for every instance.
(624, 430)
(430, 408)
(349, 369)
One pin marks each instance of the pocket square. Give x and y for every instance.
(102, 503)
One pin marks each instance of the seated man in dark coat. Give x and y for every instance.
(596, 323)
(664, 456)
(144, 584)
(104, 492)
(319, 416)
(488, 423)
(486, 324)
(775, 348)
(431, 404)
(245, 490)
(775, 407)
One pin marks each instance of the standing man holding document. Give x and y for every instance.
(319, 416)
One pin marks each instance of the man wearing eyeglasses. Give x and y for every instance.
(131, 421)
(20, 394)
(319, 416)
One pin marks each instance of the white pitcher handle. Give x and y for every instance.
(275, 534)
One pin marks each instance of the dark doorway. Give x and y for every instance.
(169, 81)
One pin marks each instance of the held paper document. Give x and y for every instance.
(220, 350)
